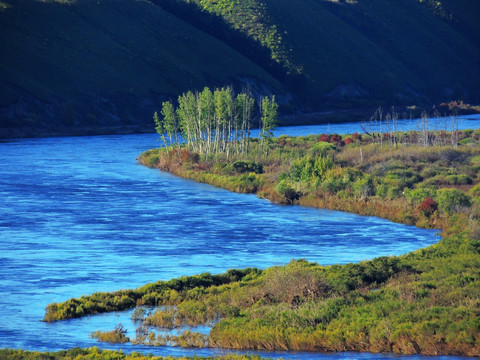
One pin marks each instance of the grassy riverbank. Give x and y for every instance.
(425, 302)
(95, 353)
(387, 176)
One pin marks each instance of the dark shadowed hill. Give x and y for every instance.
(82, 66)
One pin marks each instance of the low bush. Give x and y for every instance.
(187, 339)
(475, 191)
(428, 206)
(321, 149)
(364, 187)
(287, 193)
(116, 336)
(460, 179)
(163, 317)
(452, 200)
(419, 194)
(247, 183)
(241, 167)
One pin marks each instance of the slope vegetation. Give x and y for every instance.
(77, 66)
(67, 67)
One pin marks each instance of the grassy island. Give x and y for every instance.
(427, 301)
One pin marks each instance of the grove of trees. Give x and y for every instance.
(216, 122)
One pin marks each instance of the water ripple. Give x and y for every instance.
(78, 215)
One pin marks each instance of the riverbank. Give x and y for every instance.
(387, 176)
(423, 302)
(96, 353)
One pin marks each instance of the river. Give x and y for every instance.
(79, 215)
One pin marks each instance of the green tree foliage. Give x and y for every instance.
(241, 167)
(268, 119)
(159, 127)
(214, 122)
(170, 123)
(252, 18)
(269, 114)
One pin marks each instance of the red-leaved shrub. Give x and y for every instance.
(428, 206)
(324, 137)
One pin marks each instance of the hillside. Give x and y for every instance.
(77, 66)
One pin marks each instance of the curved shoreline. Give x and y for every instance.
(408, 293)
(367, 207)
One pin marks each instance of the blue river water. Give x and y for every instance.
(79, 215)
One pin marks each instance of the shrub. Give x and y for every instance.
(348, 141)
(475, 191)
(322, 165)
(324, 138)
(334, 138)
(116, 336)
(391, 188)
(356, 136)
(288, 194)
(308, 169)
(467, 140)
(461, 179)
(247, 166)
(187, 156)
(437, 180)
(297, 280)
(247, 183)
(333, 185)
(364, 187)
(428, 172)
(475, 160)
(428, 206)
(152, 160)
(403, 178)
(451, 155)
(140, 314)
(452, 200)
(162, 318)
(186, 339)
(419, 194)
(321, 149)
(382, 190)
